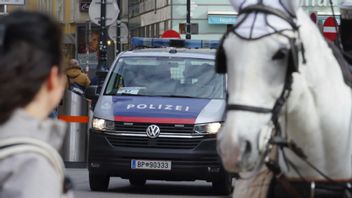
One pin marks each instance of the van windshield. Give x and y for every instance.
(166, 77)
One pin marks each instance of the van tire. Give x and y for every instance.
(98, 182)
(137, 181)
(223, 186)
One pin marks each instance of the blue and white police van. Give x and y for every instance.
(157, 116)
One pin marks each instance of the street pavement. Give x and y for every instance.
(121, 188)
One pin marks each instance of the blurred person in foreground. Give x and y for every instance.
(78, 81)
(32, 84)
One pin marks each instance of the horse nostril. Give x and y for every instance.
(248, 147)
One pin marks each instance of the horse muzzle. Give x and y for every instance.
(236, 158)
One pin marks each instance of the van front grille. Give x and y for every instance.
(145, 142)
(121, 127)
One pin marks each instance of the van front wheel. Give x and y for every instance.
(223, 186)
(98, 182)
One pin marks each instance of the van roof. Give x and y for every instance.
(172, 52)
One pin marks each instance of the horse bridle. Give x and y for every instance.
(292, 67)
(277, 139)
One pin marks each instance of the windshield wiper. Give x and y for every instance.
(129, 94)
(173, 96)
(151, 95)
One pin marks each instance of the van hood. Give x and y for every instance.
(159, 109)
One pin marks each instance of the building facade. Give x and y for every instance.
(81, 35)
(322, 8)
(209, 19)
(145, 18)
(62, 11)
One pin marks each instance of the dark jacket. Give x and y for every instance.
(76, 76)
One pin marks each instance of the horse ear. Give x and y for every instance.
(220, 56)
(220, 61)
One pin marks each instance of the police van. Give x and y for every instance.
(157, 116)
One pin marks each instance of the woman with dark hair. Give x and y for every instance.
(31, 86)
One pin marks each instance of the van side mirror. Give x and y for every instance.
(91, 93)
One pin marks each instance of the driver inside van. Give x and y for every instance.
(159, 80)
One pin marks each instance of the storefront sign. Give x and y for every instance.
(320, 3)
(221, 19)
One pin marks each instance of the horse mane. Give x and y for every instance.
(321, 61)
(345, 67)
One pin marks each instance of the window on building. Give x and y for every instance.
(147, 33)
(60, 10)
(2, 9)
(157, 30)
(161, 28)
(142, 31)
(194, 28)
(166, 25)
(152, 30)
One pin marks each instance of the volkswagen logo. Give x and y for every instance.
(153, 131)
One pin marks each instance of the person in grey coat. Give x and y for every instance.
(32, 84)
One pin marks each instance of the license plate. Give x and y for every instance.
(151, 165)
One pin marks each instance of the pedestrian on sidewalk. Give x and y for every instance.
(32, 84)
(78, 81)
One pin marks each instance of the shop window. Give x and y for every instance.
(194, 28)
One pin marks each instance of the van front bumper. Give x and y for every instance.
(191, 159)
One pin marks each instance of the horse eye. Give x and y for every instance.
(280, 54)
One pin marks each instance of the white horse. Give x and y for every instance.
(317, 112)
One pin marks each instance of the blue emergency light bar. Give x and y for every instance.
(139, 42)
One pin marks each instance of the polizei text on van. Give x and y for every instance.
(159, 107)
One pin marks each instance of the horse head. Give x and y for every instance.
(283, 81)
(260, 56)
(285, 90)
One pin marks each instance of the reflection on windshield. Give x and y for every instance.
(169, 77)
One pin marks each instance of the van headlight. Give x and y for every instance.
(101, 124)
(209, 128)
